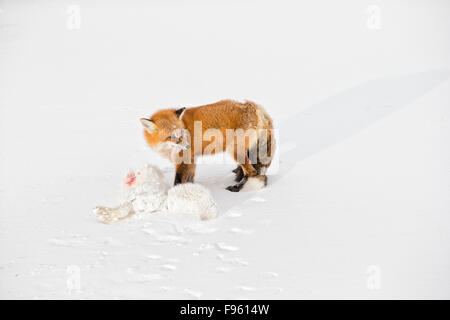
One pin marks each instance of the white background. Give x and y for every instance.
(359, 207)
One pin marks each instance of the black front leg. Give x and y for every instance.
(239, 173)
(184, 173)
(177, 178)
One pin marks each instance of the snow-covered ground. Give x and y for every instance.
(358, 205)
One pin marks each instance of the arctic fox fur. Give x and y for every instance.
(146, 191)
(193, 199)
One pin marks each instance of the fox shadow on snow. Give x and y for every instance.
(334, 119)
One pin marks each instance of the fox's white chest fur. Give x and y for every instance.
(168, 150)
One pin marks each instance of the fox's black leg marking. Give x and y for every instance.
(190, 178)
(237, 187)
(264, 179)
(184, 173)
(178, 176)
(239, 173)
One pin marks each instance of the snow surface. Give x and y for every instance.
(358, 205)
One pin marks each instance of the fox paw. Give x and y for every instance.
(234, 188)
(237, 187)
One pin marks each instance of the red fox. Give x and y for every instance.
(243, 130)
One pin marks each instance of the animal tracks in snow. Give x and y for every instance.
(257, 199)
(148, 277)
(70, 241)
(226, 247)
(165, 238)
(223, 269)
(234, 261)
(245, 288)
(233, 213)
(202, 230)
(56, 199)
(203, 247)
(153, 257)
(194, 293)
(169, 267)
(241, 231)
(269, 274)
(137, 276)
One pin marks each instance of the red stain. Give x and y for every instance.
(130, 178)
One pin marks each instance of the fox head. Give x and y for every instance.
(165, 131)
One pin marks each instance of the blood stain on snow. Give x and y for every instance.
(130, 178)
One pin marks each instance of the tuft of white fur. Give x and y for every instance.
(120, 212)
(148, 192)
(191, 198)
(253, 184)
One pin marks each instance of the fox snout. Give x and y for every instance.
(182, 145)
(182, 138)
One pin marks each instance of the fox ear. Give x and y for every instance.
(149, 125)
(180, 113)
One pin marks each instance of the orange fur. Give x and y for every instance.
(223, 115)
